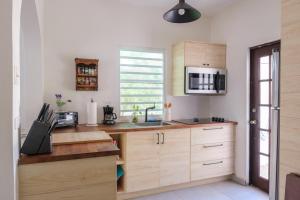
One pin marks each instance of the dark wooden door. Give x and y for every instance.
(260, 113)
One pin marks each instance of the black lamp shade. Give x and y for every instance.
(182, 13)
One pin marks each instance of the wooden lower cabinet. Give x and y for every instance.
(79, 179)
(175, 157)
(156, 158)
(212, 152)
(213, 168)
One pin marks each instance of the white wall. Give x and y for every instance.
(9, 100)
(32, 73)
(98, 29)
(245, 24)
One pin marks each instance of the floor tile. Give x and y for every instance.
(217, 191)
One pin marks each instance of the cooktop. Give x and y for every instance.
(200, 120)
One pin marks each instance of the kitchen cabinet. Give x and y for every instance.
(212, 152)
(156, 158)
(78, 179)
(197, 54)
(142, 160)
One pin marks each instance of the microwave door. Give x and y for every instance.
(217, 82)
(194, 81)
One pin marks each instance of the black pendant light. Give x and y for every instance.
(182, 13)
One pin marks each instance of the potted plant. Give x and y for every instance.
(60, 102)
(135, 114)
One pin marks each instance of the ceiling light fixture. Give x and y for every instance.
(182, 13)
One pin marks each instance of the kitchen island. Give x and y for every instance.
(76, 171)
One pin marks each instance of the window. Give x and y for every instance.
(141, 80)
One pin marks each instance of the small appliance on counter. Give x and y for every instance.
(195, 121)
(67, 119)
(109, 115)
(38, 140)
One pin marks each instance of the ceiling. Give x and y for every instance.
(206, 7)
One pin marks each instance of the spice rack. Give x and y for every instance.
(86, 74)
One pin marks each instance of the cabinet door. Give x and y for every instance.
(201, 54)
(195, 54)
(175, 157)
(142, 161)
(215, 55)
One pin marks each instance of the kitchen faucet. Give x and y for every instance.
(146, 112)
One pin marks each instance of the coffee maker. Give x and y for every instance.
(109, 115)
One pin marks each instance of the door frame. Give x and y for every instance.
(250, 114)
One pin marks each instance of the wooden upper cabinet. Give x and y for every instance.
(204, 54)
(196, 54)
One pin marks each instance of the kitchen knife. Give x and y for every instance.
(41, 112)
(45, 113)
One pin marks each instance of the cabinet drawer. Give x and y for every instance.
(203, 152)
(213, 168)
(212, 134)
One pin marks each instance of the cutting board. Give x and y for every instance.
(80, 137)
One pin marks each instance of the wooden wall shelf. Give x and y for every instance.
(86, 74)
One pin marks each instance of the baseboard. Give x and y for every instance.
(131, 195)
(239, 180)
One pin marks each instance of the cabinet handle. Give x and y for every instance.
(157, 138)
(211, 146)
(209, 129)
(163, 134)
(214, 163)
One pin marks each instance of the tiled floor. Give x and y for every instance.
(217, 191)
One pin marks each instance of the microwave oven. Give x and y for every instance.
(209, 81)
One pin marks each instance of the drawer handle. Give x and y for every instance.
(214, 163)
(209, 129)
(157, 138)
(212, 146)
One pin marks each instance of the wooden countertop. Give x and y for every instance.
(73, 151)
(98, 149)
(124, 127)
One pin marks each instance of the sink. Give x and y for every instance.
(147, 124)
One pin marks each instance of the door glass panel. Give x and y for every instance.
(264, 92)
(264, 166)
(264, 67)
(264, 142)
(264, 117)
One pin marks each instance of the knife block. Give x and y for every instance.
(38, 140)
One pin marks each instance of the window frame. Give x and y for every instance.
(164, 69)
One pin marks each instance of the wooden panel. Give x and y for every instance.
(178, 70)
(212, 134)
(203, 152)
(195, 53)
(80, 137)
(142, 146)
(141, 175)
(175, 157)
(73, 179)
(210, 169)
(290, 93)
(142, 161)
(215, 55)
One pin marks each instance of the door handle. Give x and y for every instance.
(209, 129)
(213, 163)
(252, 122)
(211, 146)
(163, 136)
(157, 138)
